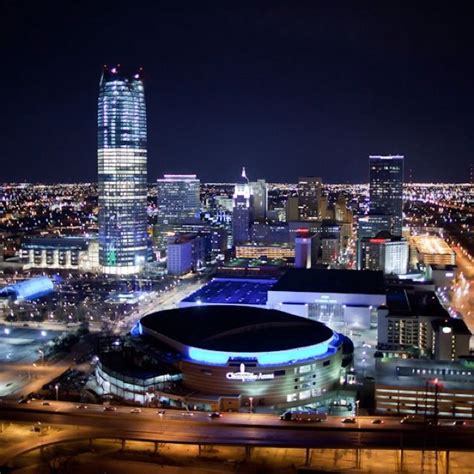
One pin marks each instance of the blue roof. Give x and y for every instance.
(29, 289)
(232, 291)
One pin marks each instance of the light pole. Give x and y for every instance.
(42, 356)
(251, 404)
(357, 408)
(57, 391)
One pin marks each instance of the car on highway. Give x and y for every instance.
(187, 413)
(459, 423)
(161, 412)
(110, 408)
(377, 421)
(214, 414)
(348, 420)
(135, 410)
(46, 404)
(412, 420)
(81, 407)
(303, 416)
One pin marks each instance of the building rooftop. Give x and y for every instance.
(456, 326)
(232, 291)
(426, 303)
(236, 328)
(331, 281)
(416, 372)
(431, 244)
(70, 243)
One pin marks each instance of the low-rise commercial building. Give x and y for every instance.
(72, 253)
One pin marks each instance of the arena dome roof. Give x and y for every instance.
(236, 328)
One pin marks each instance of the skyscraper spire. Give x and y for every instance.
(244, 174)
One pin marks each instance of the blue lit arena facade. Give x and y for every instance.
(237, 353)
(122, 169)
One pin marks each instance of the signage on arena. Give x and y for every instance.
(245, 376)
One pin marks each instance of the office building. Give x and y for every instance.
(180, 256)
(277, 233)
(329, 250)
(186, 253)
(309, 195)
(341, 211)
(242, 210)
(259, 192)
(178, 199)
(384, 252)
(292, 209)
(371, 224)
(305, 251)
(122, 171)
(386, 189)
(270, 251)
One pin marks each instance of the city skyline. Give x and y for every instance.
(263, 87)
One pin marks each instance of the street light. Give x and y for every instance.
(57, 391)
(251, 404)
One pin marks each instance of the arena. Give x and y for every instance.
(234, 356)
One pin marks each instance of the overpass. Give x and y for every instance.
(247, 431)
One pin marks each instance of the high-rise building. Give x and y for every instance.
(122, 170)
(178, 198)
(385, 253)
(291, 209)
(260, 199)
(371, 224)
(304, 251)
(309, 194)
(386, 189)
(242, 211)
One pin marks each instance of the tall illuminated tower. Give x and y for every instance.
(242, 210)
(122, 167)
(386, 189)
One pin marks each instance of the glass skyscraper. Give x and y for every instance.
(122, 167)
(386, 189)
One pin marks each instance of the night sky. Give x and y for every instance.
(284, 88)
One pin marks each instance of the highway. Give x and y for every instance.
(252, 430)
